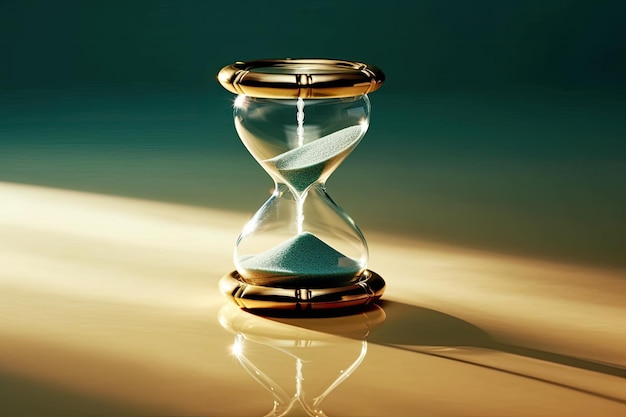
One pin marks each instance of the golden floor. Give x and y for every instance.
(110, 306)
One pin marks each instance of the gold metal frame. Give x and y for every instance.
(364, 290)
(304, 78)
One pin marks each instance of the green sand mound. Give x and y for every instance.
(304, 256)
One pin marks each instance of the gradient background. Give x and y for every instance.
(501, 125)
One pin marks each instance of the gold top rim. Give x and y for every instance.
(304, 78)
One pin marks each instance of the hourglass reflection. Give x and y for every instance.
(300, 119)
(299, 362)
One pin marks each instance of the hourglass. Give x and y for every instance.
(300, 118)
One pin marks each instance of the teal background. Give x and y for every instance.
(501, 124)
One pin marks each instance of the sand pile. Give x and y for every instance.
(304, 256)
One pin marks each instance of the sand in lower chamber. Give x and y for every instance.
(305, 258)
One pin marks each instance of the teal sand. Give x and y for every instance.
(304, 257)
(304, 165)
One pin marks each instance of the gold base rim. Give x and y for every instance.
(363, 291)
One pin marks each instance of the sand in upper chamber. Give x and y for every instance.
(304, 257)
(304, 165)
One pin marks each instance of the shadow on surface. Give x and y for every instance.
(408, 327)
(411, 325)
(418, 329)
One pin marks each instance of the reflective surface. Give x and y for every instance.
(110, 306)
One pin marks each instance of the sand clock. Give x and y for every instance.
(300, 118)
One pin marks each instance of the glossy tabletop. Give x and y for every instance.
(110, 306)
